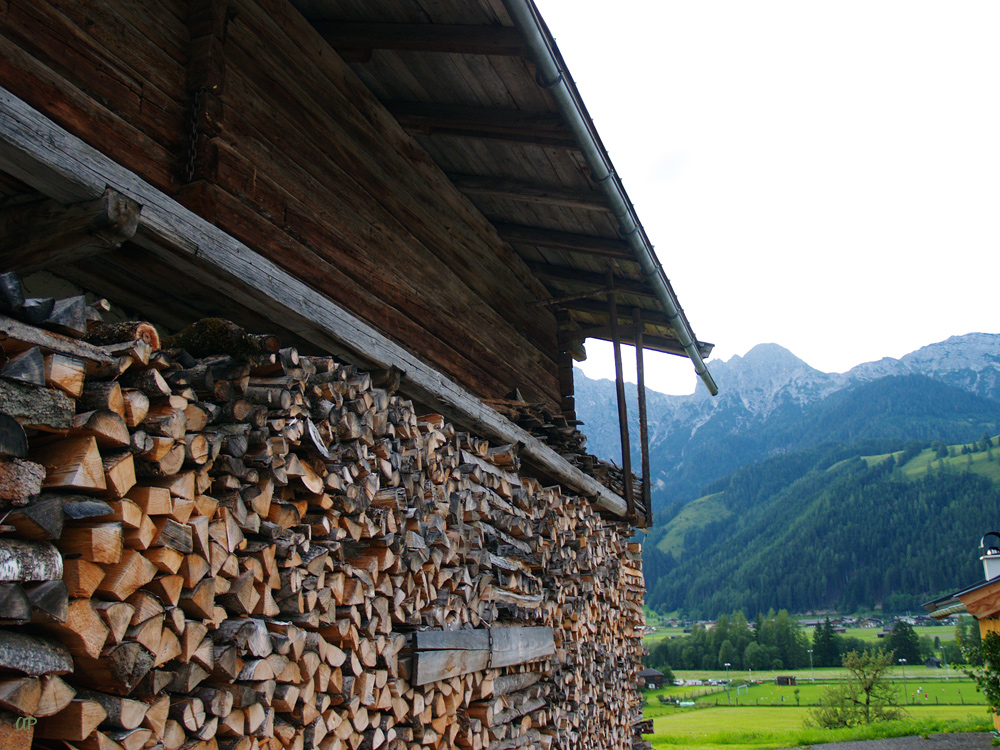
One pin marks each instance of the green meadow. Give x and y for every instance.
(766, 715)
(945, 633)
(753, 728)
(927, 461)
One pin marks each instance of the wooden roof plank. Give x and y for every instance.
(462, 39)
(543, 128)
(576, 243)
(574, 276)
(529, 192)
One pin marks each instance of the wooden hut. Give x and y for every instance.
(412, 198)
(651, 678)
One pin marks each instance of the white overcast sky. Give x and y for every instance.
(821, 175)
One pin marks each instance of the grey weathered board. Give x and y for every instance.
(441, 654)
(50, 159)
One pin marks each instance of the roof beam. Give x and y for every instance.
(456, 39)
(529, 192)
(539, 128)
(649, 317)
(586, 278)
(47, 233)
(575, 243)
(664, 344)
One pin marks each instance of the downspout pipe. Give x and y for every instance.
(553, 75)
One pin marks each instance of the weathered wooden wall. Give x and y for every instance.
(296, 158)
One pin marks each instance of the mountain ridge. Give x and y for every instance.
(764, 393)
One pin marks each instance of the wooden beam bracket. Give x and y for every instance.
(440, 655)
(47, 233)
(640, 368)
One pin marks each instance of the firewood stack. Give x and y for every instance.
(207, 552)
(562, 435)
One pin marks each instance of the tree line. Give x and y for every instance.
(776, 641)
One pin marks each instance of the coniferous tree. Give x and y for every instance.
(825, 649)
(903, 641)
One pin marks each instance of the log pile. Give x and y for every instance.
(279, 552)
(564, 437)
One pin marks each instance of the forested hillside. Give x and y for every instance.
(834, 527)
(770, 402)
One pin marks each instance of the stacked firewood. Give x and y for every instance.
(564, 437)
(223, 545)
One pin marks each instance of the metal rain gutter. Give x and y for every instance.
(553, 75)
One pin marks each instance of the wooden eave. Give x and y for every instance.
(460, 79)
(982, 600)
(211, 272)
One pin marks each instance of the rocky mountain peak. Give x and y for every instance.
(769, 384)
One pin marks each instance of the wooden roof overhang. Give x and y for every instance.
(188, 251)
(489, 99)
(481, 86)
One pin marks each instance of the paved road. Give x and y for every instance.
(956, 741)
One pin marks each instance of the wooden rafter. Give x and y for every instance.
(529, 192)
(650, 317)
(578, 243)
(423, 37)
(589, 279)
(47, 233)
(540, 128)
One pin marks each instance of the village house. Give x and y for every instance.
(981, 599)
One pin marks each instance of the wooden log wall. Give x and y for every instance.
(206, 553)
(296, 158)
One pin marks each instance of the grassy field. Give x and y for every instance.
(928, 461)
(917, 692)
(765, 715)
(764, 728)
(944, 632)
(695, 514)
(920, 691)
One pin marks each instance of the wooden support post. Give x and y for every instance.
(640, 370)
(620, 391)
(47, 233)
(564, 361)
(206, 78)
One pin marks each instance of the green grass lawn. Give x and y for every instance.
(694, 515)
(919, 672)
(763, 728)
(975, 462)
(943, 632)
(870, 635)
(920, 692)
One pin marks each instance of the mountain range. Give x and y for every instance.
(812, 491)
(769, 400)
